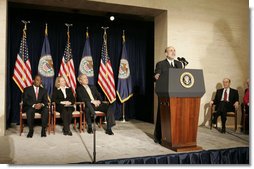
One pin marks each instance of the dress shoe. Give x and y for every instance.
(89, 130)
(30, 134)
(43, 133)
(214, 120)
(223, 130)
(156, 141)
(69, 133)
(109, 132)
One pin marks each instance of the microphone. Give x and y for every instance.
(183, 60)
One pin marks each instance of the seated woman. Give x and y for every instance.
(64, 99)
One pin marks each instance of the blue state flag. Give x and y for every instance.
(124, 85)
(45, 67)
(86, 63)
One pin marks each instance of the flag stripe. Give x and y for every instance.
(106, 75)
(103, 71)
(67, 69)
(22, 74)
(107, 87)
(107, 83)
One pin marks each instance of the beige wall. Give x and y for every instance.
(3, 34)
(212, 35)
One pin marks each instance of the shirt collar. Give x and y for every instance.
(170, 61)
(85, 86)
(35, 86)
(60, 88)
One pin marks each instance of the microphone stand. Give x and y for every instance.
(94, 139)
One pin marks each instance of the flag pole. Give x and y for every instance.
(68, 43)
(123, 103)
(123, 112)
(23, 53)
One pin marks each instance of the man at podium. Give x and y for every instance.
(161, 68)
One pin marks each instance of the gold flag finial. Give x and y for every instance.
(123, 36)
(23, 39)
(46, 29)
(68, 31)
(87, 35)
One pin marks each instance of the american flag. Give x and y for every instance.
(22, 70)
(106, 75)
(67, 69)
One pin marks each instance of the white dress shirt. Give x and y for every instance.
(171, 62)
(88, 90)
(63, 89)
(35, 89)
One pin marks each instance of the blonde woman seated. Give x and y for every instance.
(64, 99)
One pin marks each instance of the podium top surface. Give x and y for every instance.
(181, 83)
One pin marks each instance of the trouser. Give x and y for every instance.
(222, 109)
(66, 116)
(30, 113)
(157, 130)
(103, 107)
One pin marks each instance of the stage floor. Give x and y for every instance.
(132, 139)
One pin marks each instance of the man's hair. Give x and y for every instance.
(79, 77)
(168, 48)
(227, 79)
(37, 76)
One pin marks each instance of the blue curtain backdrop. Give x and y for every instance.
(139, 44)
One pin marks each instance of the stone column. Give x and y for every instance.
(3, 64)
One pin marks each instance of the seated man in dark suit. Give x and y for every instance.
(93, 102)
(226, 100)
(35, 99)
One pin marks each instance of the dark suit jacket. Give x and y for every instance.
(29, 98)
(163, 66)
(58, 96)
(233, 97)
(82, 95)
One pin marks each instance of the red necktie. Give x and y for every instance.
(225, 95)
(37, 92)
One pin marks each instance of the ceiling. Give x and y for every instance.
(89, 8)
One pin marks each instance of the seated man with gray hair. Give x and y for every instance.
(226, 100)
(93, 102)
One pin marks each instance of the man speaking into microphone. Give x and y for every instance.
(161, 68)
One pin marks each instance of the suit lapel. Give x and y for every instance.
(167, 63)
(40, 93)
(85, 92)
(33, 92)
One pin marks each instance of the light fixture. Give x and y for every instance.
(112, 18)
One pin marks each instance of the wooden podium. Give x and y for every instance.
(179, 93)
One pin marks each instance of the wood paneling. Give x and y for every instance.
(179, 123)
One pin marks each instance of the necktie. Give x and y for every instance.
(171, 64)
(36, 92)
(225, 95)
